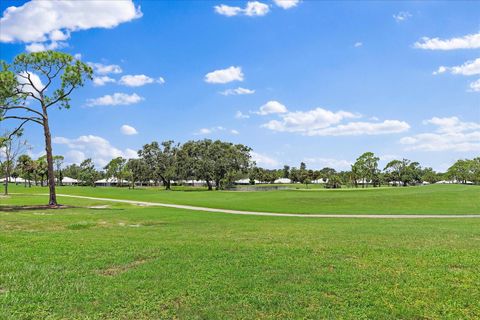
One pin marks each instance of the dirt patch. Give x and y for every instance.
(104, 206)
(116, 270)
(27, 208)
(3, 291)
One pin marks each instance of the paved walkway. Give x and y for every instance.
(275, 214)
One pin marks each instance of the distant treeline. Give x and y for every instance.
(219, 164)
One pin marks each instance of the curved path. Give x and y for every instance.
(274, 214)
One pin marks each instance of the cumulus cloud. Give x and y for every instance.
(253, 8)
(337, 164)
(30, 82)
(100, 68)
(139, 80)
(90, 146)
(207, 131)
(55, 20)
(241, 115)
(358, 44)
(225, 75)
(451, 134)
(475, 86)
(305, 121)
(272, 107)
(115, 100)
(322, 122)
(469, 41)
(263, 160)
(102, 80)
(467, 69)
(237, 91)
(286, 4)
(228, 11)
(128, 130)
(38, 46)
(402, 16)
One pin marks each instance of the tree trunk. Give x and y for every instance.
(6, 178)
(209, 185)
(48, 149)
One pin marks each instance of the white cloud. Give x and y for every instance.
(286, 4)
(358, 44)
(322, 122)
(272, 107)
(469, 41)
(264, 160)
(139, 80)
(469, 68)
(128, 130)
(237, 91)
(305, 121)
(320, 163)
(38, 46)
(241, 115)
(102, 80)
(225, 75)
(228, 11)
(207, 131)
(451, 134)
(204, 131)
(100, 68)
(75, 156)
(362, 128)
(475, 86)
(24, 83)
(402, 16)
(115, 99)
(91, 146)
(54, 20)
(253, 8)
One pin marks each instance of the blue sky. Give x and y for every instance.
(322, 82)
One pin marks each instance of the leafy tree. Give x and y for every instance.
(460, 171)
(88, 175)
(72, 171)
(116, 169)
(58, 162)
(26, 166)
(11, 145)
(137, 171)
(32, 76)
(367, 167)
(41, 169)
(286, 171)
(161, 160)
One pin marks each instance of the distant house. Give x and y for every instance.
(245, 181)
(319, 181)
(110, 182)
(453, 182)
(195, 183)
(67, 181)
(283, 180)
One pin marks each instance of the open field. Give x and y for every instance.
(434, 199)
(123, 261)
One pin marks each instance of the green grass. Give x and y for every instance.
(434, 199)
(130, 262)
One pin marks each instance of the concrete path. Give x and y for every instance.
(274, 214)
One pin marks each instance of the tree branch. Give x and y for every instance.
(25, 108)
(34, 119)
(60, 97)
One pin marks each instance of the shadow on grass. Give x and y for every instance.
(4, 208)
(36, 207)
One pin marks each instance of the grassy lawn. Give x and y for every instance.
(434, 199)
(131, 262)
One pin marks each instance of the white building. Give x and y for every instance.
(283, 180)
